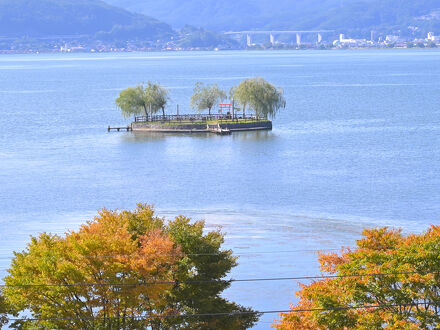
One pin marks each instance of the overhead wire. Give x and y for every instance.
(175, 282)
(192, 254)
(223, 281)
(145, 317)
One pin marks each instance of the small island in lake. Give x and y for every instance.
(200, 123)
(255, 95)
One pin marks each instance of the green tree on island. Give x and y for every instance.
(160, 97)
(259, 95)
(206, 97)
(131, 101)
(149, 100)
(126, 268)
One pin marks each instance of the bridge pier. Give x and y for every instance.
(272, 39)
(298, 39)
(248, 40)
(272, 33)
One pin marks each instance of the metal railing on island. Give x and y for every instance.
(196, 118)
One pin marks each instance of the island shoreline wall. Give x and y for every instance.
(201, 128)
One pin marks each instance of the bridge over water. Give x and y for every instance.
(272, 34)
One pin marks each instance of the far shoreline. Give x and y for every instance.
(171, 51)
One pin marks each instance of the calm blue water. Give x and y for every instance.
(357, 146)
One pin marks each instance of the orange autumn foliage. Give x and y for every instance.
(409, 297)
(105, 263)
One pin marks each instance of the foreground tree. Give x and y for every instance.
(259, 95)
(149, 100)
(204, 261)
(406, 297)
(102, 252)
(4, 311)
(121, 269)
(206, 97)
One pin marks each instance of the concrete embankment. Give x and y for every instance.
(254, 126)
(184, 128)
(202, 128)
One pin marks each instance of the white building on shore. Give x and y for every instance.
(342, 41)
(390, 39)
(432, 37)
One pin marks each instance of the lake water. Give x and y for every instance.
(357, 146)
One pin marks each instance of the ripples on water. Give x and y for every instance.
(356, 147)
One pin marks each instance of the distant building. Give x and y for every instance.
(343, 41)
(390, 39)
(433, 38)
(349, 42)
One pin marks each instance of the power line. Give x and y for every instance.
(191, 254)
(216, 281)
(140, 318)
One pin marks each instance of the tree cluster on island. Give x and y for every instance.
(142, 99)
(123, 270)
(255, 94)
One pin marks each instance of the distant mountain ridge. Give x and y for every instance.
(93, 18)
(356, 16)
(127, 23)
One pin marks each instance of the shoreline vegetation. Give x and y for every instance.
(256, 95)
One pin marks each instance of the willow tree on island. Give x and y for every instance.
(206, 97)
(148, 100)
(159, 96)
(260, 96)
(131, 101)
(125, 270)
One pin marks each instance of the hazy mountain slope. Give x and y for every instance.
(38, 18)
(383, 15)
(199, 37)
(347, 15)
(207, 13)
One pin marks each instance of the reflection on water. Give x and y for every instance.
(142, 136)
(253, 136)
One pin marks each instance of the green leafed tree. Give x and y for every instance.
(112, 261)
(260, 96)
(4, 310)
(206, 97)
(159, 96)
(202, 259)
(148, 100)
(131, 101)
